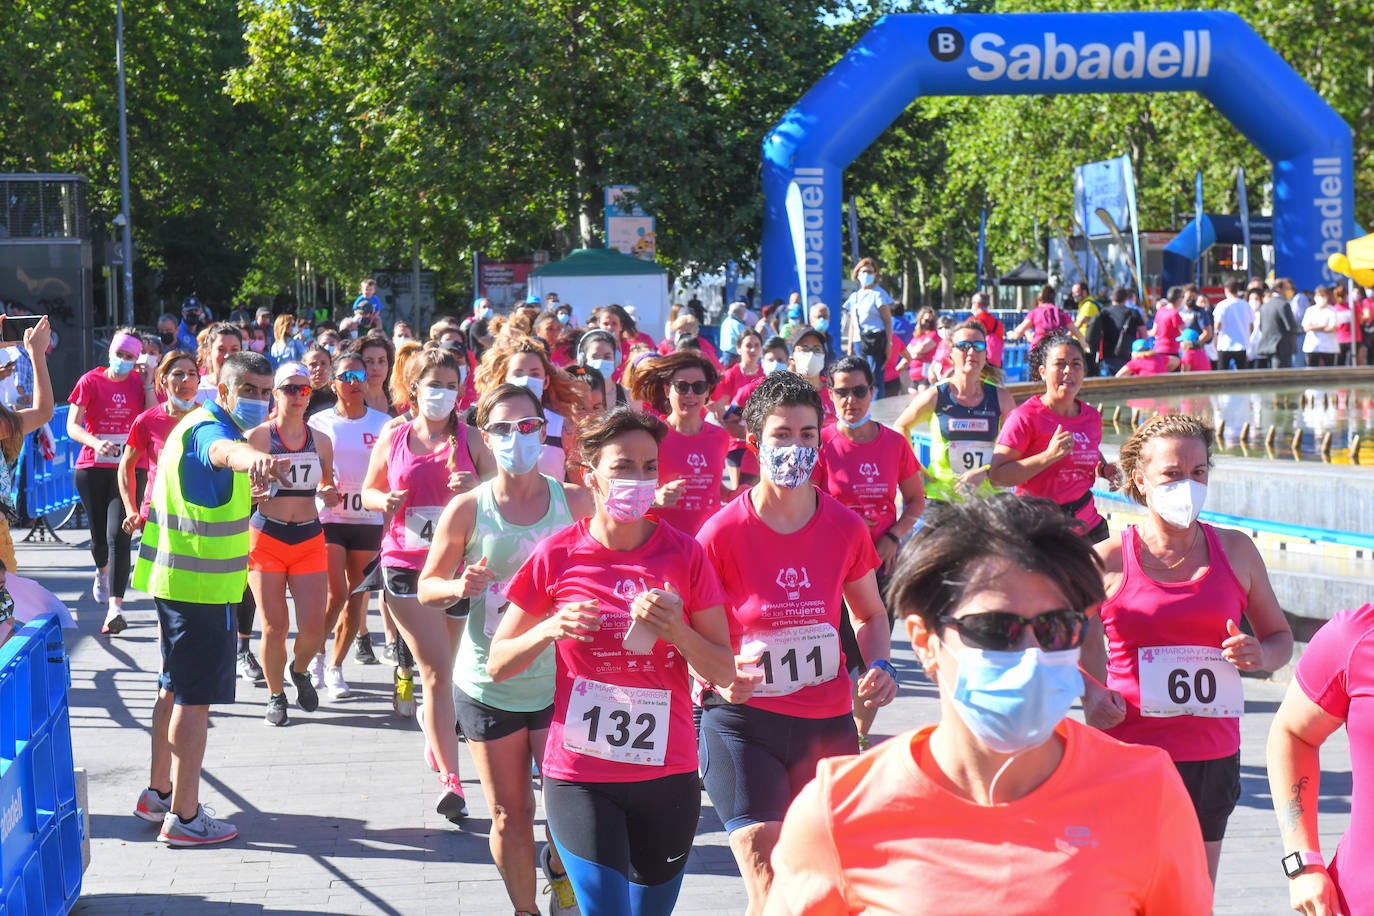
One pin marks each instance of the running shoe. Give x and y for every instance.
(152, 807)
(114, 625)
(451, 803)
(317, 671)
(389, 652)
(334, 682)
(276, 709)
(248, 666)
(864, 744)
(562, 900)
(100, 589)
(403, 699)
(307, 697)
(203, 830)
(362, 650)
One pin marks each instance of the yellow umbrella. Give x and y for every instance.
(1361, 252)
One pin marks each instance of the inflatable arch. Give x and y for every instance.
(903, 57)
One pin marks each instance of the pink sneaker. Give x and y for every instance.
(451, 803)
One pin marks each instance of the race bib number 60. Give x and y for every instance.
(624, 724)
(1189, 681)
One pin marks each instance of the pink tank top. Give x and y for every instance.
(1146, 614)
(410, 531)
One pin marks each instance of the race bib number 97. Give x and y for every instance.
(966, 455)
(624, 724)
(1189, 681)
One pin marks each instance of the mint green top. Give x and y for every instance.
(506, 547)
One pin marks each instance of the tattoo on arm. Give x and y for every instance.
(1295, 807)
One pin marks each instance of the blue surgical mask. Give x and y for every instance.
(179, 404)
(484, 314)
(605, 366)
(788, 466)
(248, 413)
(1012, 701)
(770, 365)
(866, 278)
(821, 324)
(517, 453)
(121, 366)
(564, 317)
(861, 421)
(532, 382)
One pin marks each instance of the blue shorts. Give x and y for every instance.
(755, 762)
(198, 651)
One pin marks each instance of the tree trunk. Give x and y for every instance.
(923, 295)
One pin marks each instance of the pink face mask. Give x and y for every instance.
(257, 346)
(629, 500)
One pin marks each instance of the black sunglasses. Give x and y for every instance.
(1003, 631)
(698, 387)
(858, 391)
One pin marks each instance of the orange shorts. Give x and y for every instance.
(286, 547)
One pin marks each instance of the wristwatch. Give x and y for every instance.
(1295, 862)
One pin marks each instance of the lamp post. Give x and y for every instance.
(126, 229)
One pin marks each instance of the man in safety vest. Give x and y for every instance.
(194, 562)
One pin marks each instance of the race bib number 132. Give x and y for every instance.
(624, 724)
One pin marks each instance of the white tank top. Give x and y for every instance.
(353, 442)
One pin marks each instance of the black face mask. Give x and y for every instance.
(168, 338)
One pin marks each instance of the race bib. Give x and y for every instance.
(118, 439)
(793, 658)
(624, 724)
(304, 472)
(968, 455)
(420, 524)
(350, 509)
(496, 605)
(1189, 681)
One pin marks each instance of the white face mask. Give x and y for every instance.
(436, 403)
(532, 382)
(1178, 503)
(809, 364)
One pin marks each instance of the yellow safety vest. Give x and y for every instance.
(191, 552)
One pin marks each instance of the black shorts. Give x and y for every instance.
(640, 832)
(198, 651)
(849, 643)
(405, 583)
(734, 457)
(349, 536)
(755, 762)
(480, 722)
(1214, 787)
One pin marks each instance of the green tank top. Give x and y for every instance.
(961, 439)
(506, 547)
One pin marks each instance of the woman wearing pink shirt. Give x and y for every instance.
(791, 558)
(104, 404)
(628, 604)
(691, 457)
(177, 378)
(416, 468)
(1049, 445)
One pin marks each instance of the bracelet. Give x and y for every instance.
(896, 540)
(885, 665)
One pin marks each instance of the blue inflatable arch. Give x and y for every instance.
(904, 57)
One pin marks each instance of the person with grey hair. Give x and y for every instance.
(993, 329)
(731, 328)
(194, 562)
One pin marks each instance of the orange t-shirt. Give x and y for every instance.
(1110, 832)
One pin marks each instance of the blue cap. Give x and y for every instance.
(532, 299)
(1140, 346)
(794, 311)
(1188, 336)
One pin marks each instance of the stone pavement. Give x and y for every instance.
(335, 811)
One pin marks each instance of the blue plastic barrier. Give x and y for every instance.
(40, 823)
(1014, 367)
(51, 485)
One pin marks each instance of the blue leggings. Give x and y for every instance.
(624, 845)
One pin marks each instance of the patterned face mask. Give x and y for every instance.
(788, 466)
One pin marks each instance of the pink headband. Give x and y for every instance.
(127, 342)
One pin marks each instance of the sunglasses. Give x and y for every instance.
(351, 377)
(698, 387)
(977, 346)
(299, 391)
(503, 428)
(859, 392)
(1003, 631)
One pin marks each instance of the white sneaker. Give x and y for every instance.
(204, 830)
(334, 681)
(317, 671)
(100, 590)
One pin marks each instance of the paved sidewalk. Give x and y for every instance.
(335, 811)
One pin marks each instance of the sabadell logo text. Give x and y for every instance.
(1049, 60)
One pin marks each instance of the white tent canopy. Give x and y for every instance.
(590, 277)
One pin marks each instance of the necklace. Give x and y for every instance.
(1174, 565)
